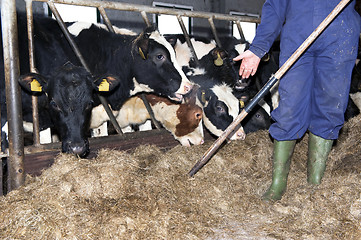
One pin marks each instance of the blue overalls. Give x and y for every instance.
(315, 91)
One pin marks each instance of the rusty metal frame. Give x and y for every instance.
(16, 143)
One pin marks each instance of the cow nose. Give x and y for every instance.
(198, 115)
(77, 149)
(80, 149)
(187, 88)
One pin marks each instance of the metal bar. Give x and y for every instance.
(145, 18)
(155, 10)
(34, 99)
(83, 62)
(13, 100)
(188, 40)
(295, 56)
(106, 19)
(238, 23)
(214, 31)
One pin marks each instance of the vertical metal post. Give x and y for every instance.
(145, 18)
(188, 40)
(14, 113)
(34, 99)
(238, 23)
(106, 19)
(214, 31)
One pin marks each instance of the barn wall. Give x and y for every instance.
(133, 20)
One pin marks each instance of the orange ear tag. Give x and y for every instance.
(104, 86)
(35, 86)
(218, 62)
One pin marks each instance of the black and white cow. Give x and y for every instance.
(143, 63)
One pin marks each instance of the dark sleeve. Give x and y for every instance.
(273, 17)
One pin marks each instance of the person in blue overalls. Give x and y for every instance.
(314, 92)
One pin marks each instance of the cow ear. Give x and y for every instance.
(106, 83)
(32, 82)
(143, 48)
(172, 40)
(218, 55)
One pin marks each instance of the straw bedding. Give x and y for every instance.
(146, 194)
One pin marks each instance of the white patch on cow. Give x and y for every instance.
(45, 136)
(186, 84)
(275, 96)
(202, 48)
(265, 106)
(127, 129)
(99, 116)
(224, 94)
(240, 48)
(139, 87)
(146, 126)
(356, 98)
(76, 28)
(5, 129)
(100, 131)
(196, 71)
(183, 53)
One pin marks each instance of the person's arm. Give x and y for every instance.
(273, 17)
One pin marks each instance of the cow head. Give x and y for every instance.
(220, 106)
(183, 120)
(156, 67)
(69, 92)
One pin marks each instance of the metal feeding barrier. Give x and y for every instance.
(15, 151)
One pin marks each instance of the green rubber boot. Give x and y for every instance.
(318, 150)
(282, 154)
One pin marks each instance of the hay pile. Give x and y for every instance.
(148, 195)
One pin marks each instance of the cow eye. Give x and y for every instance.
(54, 105)
(89, 105)
(160, 56)
(220, 109)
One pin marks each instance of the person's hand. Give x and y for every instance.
(249, 64)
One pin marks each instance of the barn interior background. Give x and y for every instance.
(147, 194)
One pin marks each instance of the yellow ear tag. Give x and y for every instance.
(35, 86)
(218, 62)
(141, 53)
(241, 103)
(104, 86)
(203, 97)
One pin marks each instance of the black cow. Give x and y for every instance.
(67, 111)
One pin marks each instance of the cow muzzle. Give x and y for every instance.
(81, 148)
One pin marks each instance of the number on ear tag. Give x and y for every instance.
(104, 86)
(35, 86)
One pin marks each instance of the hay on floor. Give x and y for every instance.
(148, 195)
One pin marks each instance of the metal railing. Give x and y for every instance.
(11, 62)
